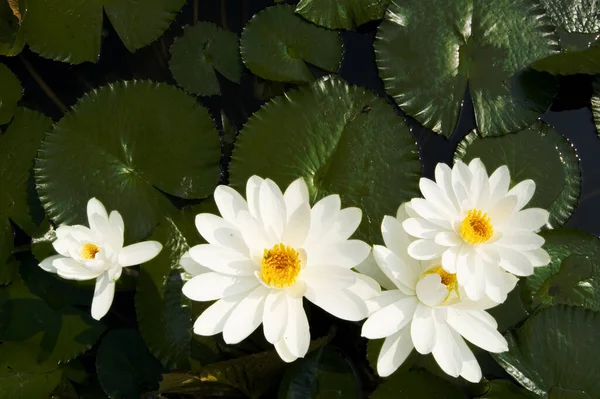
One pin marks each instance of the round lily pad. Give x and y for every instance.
(10, 94)
(124, 144)
(342, 140)
(430, 51)
(11, 36)
(277, 45)
(555, 353)
(341, 14)
(537, 153)
(576, 21)
(586, 61)
(596, 103)
(203, 49)
(76, 30)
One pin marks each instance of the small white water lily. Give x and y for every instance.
(97, 253)
(266, 254)
(427, 311)
(478, 227)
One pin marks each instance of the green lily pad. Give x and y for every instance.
(325, 373)
(573, 275)
(277, 45)
(537, 153)
(114, 140)
(503, 389)
(428, 51)
(11, 36)
(342, 140)
(203, 49)
(596, 103)
(74, 32)
(556, 352)
(10, 94)
(572, 62)
(417, 384)
(341, 14)
(577, 21)
(163, 313)
(125, 367)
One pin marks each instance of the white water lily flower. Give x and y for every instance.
(427, 311)
(478, 227)
(266, 254)
(97, 253)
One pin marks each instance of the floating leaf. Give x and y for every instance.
(325, 373)
(163, 313)
(124, 365)
(428, 51)
(503, 389)
(201, 50)
(11, 37)
(556, 353)
(76, 29)
(573, 275)
(277, 45)
(577, 21)
(537, 153)
(341, 14)
(596, 103)
(115, 141)
(10, 94)
(416, 384)
(341, 140)
(572, 62)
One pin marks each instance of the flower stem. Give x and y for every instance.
(45, 88)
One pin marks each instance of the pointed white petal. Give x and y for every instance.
(443, 178)
(531, 219)
(104, 293)
(537, 257)
(297, 226)
(476, 331)
(64, 245)
(470, 369)
(345, 254)
(434, 194)
(332, 277)
(521, 241)
(272, 209)
(428, 211)
(503, 210)
(461, 182)
(421, 228)
(446, 351)
(275, 317)
(450, 259)
(283, 352)
(369, 267)
(523, 191)
(422, 329)
(425, 249)
(211, 286)
(384, 299)
(499, 182)
(246, 316)
(297, 334)
(252, 195)
(116, 223)
(448, 239)
(111, 241)
(95, 207)
(340, 303)
(365, 287)
(213, 319)
(72, 270)
(192, 267)
(223, 260)
(254, 234)
(403, 275)
(394, 352)
(139, 253)
(515, 262)
(229, 202)
(390, 319)
(295, 196)
(218, 231)
(47, 264)
(346, 223)
(322, 217)
(394, 236)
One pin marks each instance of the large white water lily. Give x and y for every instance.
(268, 252)
(478, 227)
(427, 310)
(97, 252)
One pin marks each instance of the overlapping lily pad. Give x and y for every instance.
(124, 144)
(341, 140)
(10, 94)
(596, 104)
(416, 384)
(76, 29)
(203, 49)
(341, 14)
(277, 45)
(11, 36)
(430, 51)
(537, 153)
(555, 353)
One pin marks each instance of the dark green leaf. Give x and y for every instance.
(537, 153)
(341, 140)
(115, 140)
(325, 373)
(341, 14)
(572, 62)
(10, 94)
(428, 50)
(556, 350)
(416, 384)
(576, 21)
(71, 30)
(511, 312)
(8, 269)
(11, 37)
(125, 366)
(163, 313)
(596, 102)
(201, 50)
(6, 247)
(503, 389)
(277, 45)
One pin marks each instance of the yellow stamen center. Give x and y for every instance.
(280, 266)
(476, 228)
(89, 251)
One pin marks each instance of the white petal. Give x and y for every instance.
(390, 319)
(112, 239)
(425, 249)
(283, 352)
(340, 303)
(218, 231)
(229, 202)
(295, 196)
(322, 217)
(476, 331)
(272, 209)
(275, 317)
(211, 286)
(345, 254)
(431, 291)
(515, 262)
(503, 210)
(521, 241)
(499, 283)
(446, 351)
(95, 207)
(213, 319)
(328, 277)
(297, 226)
(523, 191)
(297, 334)
(422, 329)
(384, 299)
(428, 211)
(443, 178)
(370, 268)
(450, 259)
(485, 317)
(394, 236)
(253, 195)
(420, 228)
(47, 265)
(253, 233)
(104, 293)
(139, 253)
(394, 352)
(118, 226)
(448, 239)
(64, 245)
(365, 287)
(347, 221)
(479, 191)
(434, 194)
(192, 267)
(246, 317)
(470, 369)
(223, 260)
(499, 182)
(476, 286)
(537, 257)
(72, 270)
(403, 275)
(461, 182)
(530, 219)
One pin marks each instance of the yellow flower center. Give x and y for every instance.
(89, 251)
(280, 266)
(476, 228)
